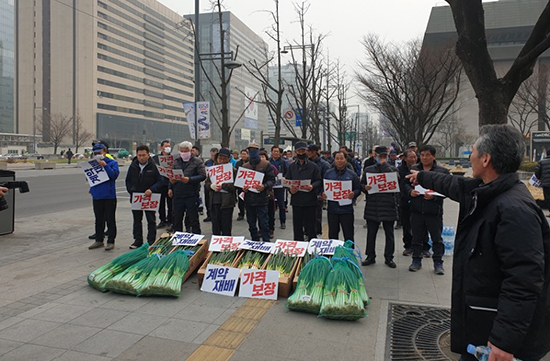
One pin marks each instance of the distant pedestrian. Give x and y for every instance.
(542, 172)
(69, 155)
(143, 177)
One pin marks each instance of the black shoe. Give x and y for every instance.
(407, 252)
(109, 246)
(283, 225)
(416, 265)
(240, 218)
(161, 225)
(438, 269)
(91, 236)
(368, 262)
(390, 263)
(136, 244)
(169, 229)
(207, 219)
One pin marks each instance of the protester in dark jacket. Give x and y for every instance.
(104, 200)
(256, 202)
(501, 261)
(404, 206)
(304, 201)
(542, 172)
(323, 166)
(165, 219)
(209, 163)
(426, 215)
(185, 192)
(278, 191)
(380, 208)
(222, 199)
(240, 201)
(143, 177)
(342, 215)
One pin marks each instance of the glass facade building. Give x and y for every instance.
(7, 65)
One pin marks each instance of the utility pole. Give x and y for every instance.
(197, 74)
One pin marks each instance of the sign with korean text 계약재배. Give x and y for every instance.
(186, 239)
(95, 174)
(225, 243)
(264, 247)
(338, 191)
(176, 174)
(249, 178)
(294, 248)
(300, 184)
(259, 284)
(424, 191)
(221, 173)
(221, 280)
(534, 181)
(166, 161)
(140, 202)
(323, 247)
(383, 182)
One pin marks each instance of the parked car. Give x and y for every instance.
(36, 155)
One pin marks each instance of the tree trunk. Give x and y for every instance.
(493, 108)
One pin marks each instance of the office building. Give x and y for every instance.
(7, 64)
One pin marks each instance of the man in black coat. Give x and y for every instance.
(542, 172)
(165, 219)
(501, 261)
(380, 208)
(404, 207)
(426, 215)
(304, 202)
(143, 177)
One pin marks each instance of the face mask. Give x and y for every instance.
(302, 156)
(377, 160)
(99, 156)
(185, 156)
(254, 156)
(167, 150)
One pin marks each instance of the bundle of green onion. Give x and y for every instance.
(132, 279)
(305, 260)
(252, 260)
(224, 258)
(167, 276)
(345, 253)
(162, 246)
(309, 290)
(98, 278)
(341, 298)
(281, 262)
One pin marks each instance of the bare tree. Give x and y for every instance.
(81, 134)
(60, 126)
(494, 94)
(450, 133)
(342, 122)
(414, 89)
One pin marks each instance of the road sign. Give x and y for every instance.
(289, 114)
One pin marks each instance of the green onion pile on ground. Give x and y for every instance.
(167, 276)
(224, 258)
(309, 290)
(98, 278)
(252, 260)
(341, 298)
(345, 252)
(281, 262)
(305, 260)
(162, 246)
(132, 279)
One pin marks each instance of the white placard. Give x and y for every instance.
(535, 182)
(264, 247)
(323, 247)
(225, 243)
(383, 182)
(279, 181)
(95, 174)
(294, 248)
(140, 202)
(423, 191)
(259, 284)
(186, 239)
(300, 184)
(248, 177)
(338, 191)
(221, 173)
(166, 161)
(176, 174)
(221, 280)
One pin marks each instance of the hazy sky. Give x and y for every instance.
(345, 21)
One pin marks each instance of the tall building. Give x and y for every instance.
(508, 24)
(7, 63)
(252, 121)
(288, 77)
(123, 66)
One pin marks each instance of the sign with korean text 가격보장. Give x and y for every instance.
(140, 202)
(293, 248)
(225, 243)
(220, 174)
(95, 174)
(221, 280)
(259, 284)
(323, 247)
(300, 184)
(166, 161)
(249, 178)
(176, 174)
(338, 191)
(383, 182)
(186, 239)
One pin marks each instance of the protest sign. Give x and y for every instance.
(323, 246)
(140, 202)
(423, 191)
(176, 174)
(221, 280)
(300, 184)
(186, 239)
(95, 174)
(259, 284)
(294, 248)
(383, 182)
(225, 243)
(264, 247)
(338, 191)
(249, 178)
(166, 161)
(221, 173)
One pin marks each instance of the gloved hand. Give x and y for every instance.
(215, 187)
